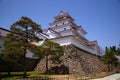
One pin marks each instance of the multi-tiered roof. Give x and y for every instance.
(64, 31)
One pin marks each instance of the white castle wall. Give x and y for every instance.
(73, 41)
(62, 41)
(58, 29)
(82, 45)
(80, 33)
(66, 33)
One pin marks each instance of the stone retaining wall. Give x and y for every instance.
(77, 61)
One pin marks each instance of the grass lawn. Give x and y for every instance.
(17, 75)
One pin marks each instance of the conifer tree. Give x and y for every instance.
(51, 51)
(18, 42)
(109, 58)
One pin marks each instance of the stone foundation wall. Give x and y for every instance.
(75, 61)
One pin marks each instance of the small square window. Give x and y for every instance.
(64, 28)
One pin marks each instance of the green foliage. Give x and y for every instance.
(110, 57)
(27, 29)
(1, 59)
(19, 41)
(12, 52)
(16, 42)
(53, 49)
(118, 52)
(23, 33)
(37, 50)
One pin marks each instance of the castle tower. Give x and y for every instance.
(64, 31)
(64, 24)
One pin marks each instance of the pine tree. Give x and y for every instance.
(109, 58)
(19, 40)
(52, 49)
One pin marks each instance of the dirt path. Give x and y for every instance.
(111, 77)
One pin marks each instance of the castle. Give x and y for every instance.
(64, 31)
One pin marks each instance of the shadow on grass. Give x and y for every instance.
(9, 77)
(19, 75)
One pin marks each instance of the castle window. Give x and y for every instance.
(63, 23)
(56, 24)
(64, 28)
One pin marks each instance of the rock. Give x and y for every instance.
(75, 61)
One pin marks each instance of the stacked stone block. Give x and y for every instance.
(79, 62)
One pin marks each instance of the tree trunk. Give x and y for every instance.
(9, 70)
(46, 63)
(108, 67)
(0, 77)
(24, 65)
(25, 51)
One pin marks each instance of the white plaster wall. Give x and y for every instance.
(82, 46)
(63, 41)
(99, 51)
(58, 29)
(48, 32)
(38, 43)
(70, 40)
(80, 33)
(66, 22)
(53, 25)
(41, 37)
(3, 33)
(60, 23)
(96, 52)
(52, 35)
(67, 33)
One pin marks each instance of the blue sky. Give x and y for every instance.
(100, 18)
